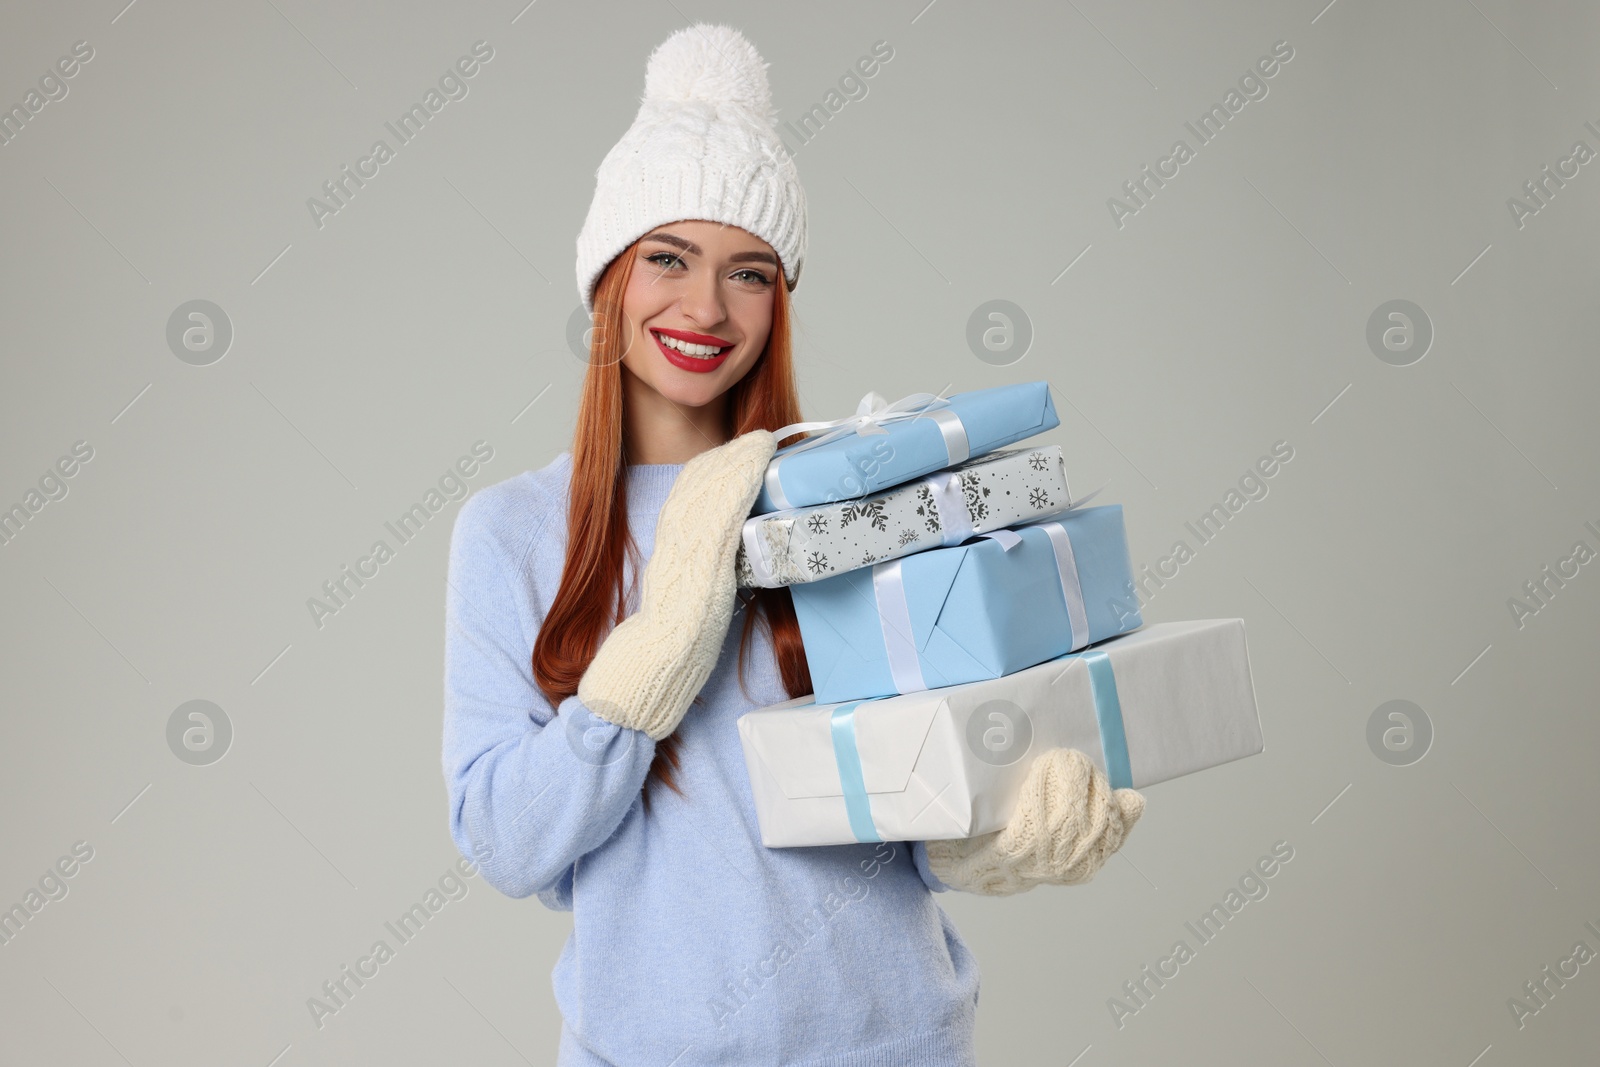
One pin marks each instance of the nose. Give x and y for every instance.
(702, 302)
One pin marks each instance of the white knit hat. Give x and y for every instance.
(703, 146)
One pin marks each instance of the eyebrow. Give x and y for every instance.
(693, 249)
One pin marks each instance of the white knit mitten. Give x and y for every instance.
(1067, 823)
(653, 663)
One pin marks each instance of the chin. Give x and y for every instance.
(690, 394)
(694, 390)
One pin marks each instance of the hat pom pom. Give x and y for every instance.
(709, 64)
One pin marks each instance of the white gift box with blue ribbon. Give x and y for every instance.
(884, 444)
(1003, 601)
(1147, 707)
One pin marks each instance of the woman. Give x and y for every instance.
(590, 742)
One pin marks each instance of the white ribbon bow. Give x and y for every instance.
(871, 414)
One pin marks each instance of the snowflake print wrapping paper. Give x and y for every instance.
(998, 490)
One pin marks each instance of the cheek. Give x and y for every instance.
(645, 297)
(755, 325)
(639, 307)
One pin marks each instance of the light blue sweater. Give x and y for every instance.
(692, 943)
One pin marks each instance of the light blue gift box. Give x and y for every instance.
(921, 434)
(990, 607)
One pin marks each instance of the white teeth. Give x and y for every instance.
(698, 351)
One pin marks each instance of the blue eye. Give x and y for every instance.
(671, 259)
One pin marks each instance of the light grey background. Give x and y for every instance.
(369, 354)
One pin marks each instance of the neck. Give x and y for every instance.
(657, 430)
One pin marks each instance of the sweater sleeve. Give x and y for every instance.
(919, 856)
(530, 791)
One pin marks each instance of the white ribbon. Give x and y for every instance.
(755, 552)
(894, 616)
(1066, 571)
(1008, 539)
(950, 501)
(872, 413)
(1071, 587)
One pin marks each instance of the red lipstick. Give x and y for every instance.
(692, 337)
(697, 364)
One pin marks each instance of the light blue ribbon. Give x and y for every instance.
(851, 781)
(1108, 713)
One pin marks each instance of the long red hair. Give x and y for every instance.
(591, 598)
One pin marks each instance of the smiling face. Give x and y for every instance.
(698, 309)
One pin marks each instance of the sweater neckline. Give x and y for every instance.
(649, 484)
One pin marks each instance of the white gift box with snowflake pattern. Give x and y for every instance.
(999, 490)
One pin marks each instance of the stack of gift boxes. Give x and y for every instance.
(962, 614)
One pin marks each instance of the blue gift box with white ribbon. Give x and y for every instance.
(1003, 601)
(1159, 703)
(885, 444)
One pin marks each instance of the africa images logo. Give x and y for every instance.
(1252, 86)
